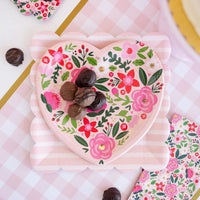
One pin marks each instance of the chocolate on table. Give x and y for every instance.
(112, 194)
(99, 102)
(15, 56)
(68, 90)
(76, 112)
(85, 97)
(86, 78)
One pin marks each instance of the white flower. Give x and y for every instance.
(101, 69)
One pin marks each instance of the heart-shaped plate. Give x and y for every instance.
(130, 75)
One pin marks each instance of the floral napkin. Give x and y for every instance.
(181, 178)
(42, 9)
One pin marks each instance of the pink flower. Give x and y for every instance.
(58, 56)
(129, 50)
(181, 189)
(159, 186)
(75, 73)
(144, 176)
(177, 139)
(133, 121)
(128, 81)
(189, 173)
(176, 118)
(115, 91)
(171, 190)
(104, 107)
(192, 127)
(88, 127)
(146, 197)
(43, 7)
(172, 164)
(171, 151)
(52, 99)
(45, 70)
(171, 128)
(144, 100)
(137, 188)
(101, 146)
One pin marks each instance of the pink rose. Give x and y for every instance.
(129, 50)
(101, 146)
(189, 173)
(171, 190)
(137, 188)
(176, 118)
(52, 99)
(45, 70)
(144, 100)
(144, 176)
(172, 164)
(115, 91)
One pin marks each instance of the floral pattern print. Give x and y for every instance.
(39, 8)
(132, 97)
(181, 178)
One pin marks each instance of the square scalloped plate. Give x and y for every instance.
(56, 148)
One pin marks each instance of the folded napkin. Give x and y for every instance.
(181, 178)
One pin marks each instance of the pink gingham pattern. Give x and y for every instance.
(17, 178)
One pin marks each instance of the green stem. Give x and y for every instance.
(42, 81)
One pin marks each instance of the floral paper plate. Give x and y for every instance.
(129, 73)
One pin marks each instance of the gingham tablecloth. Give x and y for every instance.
(18, 180)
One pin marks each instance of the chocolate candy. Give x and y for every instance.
(111, 194)
(76, 112)
(99, 102)
(14, 56)
(48, 0)
(68, 90)
(85, 97)
(86, 78)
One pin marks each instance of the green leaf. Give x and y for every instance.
(115, 129)
(192, 134)
(80, 140)
(101, 87)
(176, 171)
(46, 84)
(177, 153)
(160, 194)
(92, 114)
(141, 56)
(143, 49)
(176, 179)
(138, 62)
(65, 76)
(76, 61)
(155, 77)
(178, 146)
(143, 76)
(65, 119)
(153, 182)
(112, 68)
(40, 17)
(185, 123)
(22, 11)
(122, 113)
(121, 135)
(172, 180)
(92, 61)
(150, 53)
(44, 100)
(74, 123)
(102, 80)
(49, 108)
(85, 149)
(182, 156)
(117, 48)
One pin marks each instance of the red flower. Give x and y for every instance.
(57, 2)
(58, 56)
(88, 127)
(192, 126)
(171, 151)
(159, 186)
(128, 81)
(43, 7)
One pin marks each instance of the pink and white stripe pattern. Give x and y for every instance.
(50, 154)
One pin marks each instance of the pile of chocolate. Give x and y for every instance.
(82, 95)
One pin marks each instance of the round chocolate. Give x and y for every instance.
(86, 78)
(15, 56)
(85, 97)
(111, 194)
(68, 90)
(48, 0)
(99, 102)
(76, 112)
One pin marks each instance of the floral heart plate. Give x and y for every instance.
(130, 75)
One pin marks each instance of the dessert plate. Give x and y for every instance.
(131, 76)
